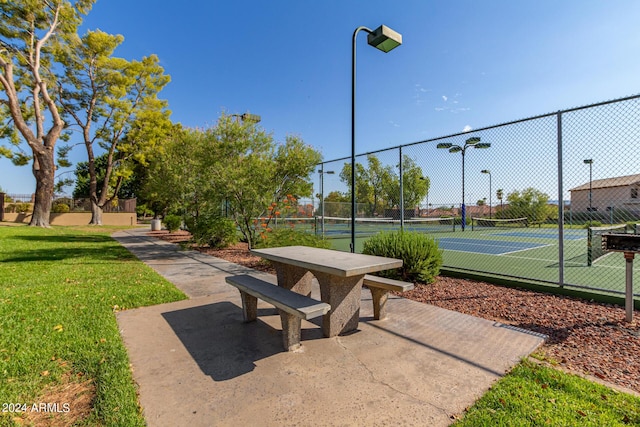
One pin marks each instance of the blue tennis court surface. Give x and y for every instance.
(545, 234)
(489, 247)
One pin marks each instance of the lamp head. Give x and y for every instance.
(384, 38)
(444, 145)
(483, 145)
(247, 117)
(473, 140)
(588, 161)
(455, 149)
(485, 171)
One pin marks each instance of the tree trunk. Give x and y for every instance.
(44, 172)
(96, 213)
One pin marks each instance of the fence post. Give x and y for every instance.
(1, 206)
(401, 192)
(560, 207)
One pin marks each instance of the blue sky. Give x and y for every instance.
(462, 64)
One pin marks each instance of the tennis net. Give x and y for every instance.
(594, 241)
(336, 227)
(480, 223)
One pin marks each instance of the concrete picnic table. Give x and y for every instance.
(339, 274)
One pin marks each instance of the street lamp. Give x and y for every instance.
(244, 117)
(385, 39)
(473, 142)
(487, 171)
(247, 117)
(590, 163)
(424, 178)
(322, 172)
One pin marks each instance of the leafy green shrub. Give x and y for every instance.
(19, 207)
(214, 231)
(172, 222)
(143, 211)
(60, 208)
(290, 237)
(419, 252)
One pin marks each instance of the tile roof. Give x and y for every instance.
(619, 181)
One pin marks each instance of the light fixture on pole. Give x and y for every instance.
(244, 117)
(590, 163)
(384, 39)
(322, 172)
(247, 117)
(473, 142)
(487, 171)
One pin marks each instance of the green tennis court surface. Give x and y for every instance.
(526, 253)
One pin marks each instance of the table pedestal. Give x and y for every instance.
(341, 293)
(294, 278)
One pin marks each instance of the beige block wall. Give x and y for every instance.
(601, 198)
(77, 218)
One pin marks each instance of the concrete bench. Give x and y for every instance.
(380, 287)
(292, 306)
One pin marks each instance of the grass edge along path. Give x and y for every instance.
(59, 291)
(533, 394)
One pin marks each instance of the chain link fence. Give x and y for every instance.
(527, 199)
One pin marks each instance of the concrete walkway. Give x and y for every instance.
(198, 364)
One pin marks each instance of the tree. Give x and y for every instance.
(30, 32)
(119, 97)
(83, 179)
(379, 186)
(234, 164)
(337, 204)
(529, 203)
(176, 179)
(255, 174)
(415, 186)
(370, 183)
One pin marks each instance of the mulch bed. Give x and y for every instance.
(584, 337)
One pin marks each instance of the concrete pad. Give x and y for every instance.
(198, 364)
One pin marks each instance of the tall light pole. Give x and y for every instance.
(322, 172)
(424, 178)
(385, 39)
(590, 163)
(473, 142)
(487, 171)
(244, 117)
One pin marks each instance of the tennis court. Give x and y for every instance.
(519, 252)
(490, 247)
(545, 233)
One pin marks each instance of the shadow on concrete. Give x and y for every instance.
(222, 344)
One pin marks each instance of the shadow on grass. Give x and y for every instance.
(89, 238)
(102, 253)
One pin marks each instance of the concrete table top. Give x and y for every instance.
(337, 263)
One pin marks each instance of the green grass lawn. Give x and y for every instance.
(59, 289)
(534, 395)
